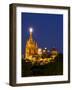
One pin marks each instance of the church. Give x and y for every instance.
(31, 46)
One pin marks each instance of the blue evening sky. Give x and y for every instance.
(47, 30)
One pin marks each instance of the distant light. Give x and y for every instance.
(31, 29)
(39, 51)
(45, 48)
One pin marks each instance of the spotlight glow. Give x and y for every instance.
(31, 29)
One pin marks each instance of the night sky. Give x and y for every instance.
(47, 30)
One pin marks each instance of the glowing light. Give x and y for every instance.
(39, 51)
(31, 29)
(45, 48)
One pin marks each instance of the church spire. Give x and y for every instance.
(30, 30)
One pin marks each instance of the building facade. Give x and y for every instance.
(31, 47)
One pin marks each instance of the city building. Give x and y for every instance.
(54, 52)
(31, 46)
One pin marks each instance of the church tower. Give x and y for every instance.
(31, 46)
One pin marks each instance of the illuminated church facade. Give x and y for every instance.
(31, 46)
